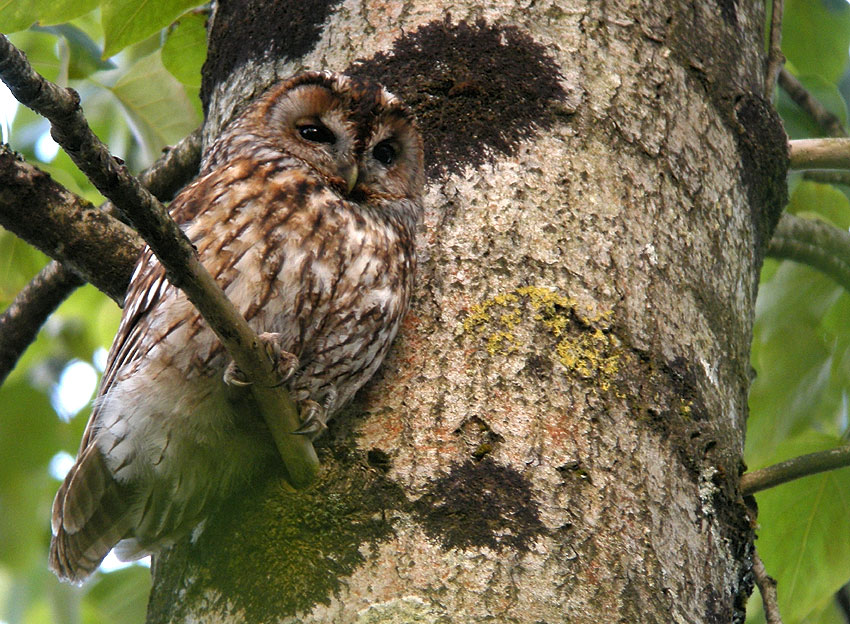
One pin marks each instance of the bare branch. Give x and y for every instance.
(775, 58)
(70, 129)
(795, 468)
(767, 589)
(106, 259)
(21, 321)
(173, 170)
(828, 176)
(825, 119)
(820, 154)
(815, 243)
(94, 245)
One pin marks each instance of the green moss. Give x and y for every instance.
(310, 540)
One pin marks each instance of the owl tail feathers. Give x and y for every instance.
(91, 513)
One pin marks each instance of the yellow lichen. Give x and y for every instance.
(583, 348)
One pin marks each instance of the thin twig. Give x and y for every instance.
(767, 589)
(775, 58)
(817, 111)
(20, 322)
(815, 243)
(828, 176)
(796, 468)
(819, 154)
(70, 129)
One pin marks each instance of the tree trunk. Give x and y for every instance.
(557, 435)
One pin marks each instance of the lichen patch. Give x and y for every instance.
(531, 318)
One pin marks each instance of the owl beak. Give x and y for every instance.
(349, 173)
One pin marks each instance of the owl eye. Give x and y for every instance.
(316, 133)
(384, 153)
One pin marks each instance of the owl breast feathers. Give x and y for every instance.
(304, 211)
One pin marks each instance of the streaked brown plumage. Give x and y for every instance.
(304, 211)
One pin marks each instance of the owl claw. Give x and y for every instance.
(285, 363)
(313, 419)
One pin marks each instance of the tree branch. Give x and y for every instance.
(795, 468)
(828, 176)
(95, 246)
(20, 322)
(815, 243)
(107, 258)
(767, 589)
(820, 154)
(775, 58)
(817, 111)
(70, 129)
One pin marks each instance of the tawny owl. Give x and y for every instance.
(304, 212)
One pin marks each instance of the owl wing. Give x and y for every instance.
(91, 511)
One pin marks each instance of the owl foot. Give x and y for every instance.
(314, 416)
(285, 363)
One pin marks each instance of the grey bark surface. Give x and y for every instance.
(557, 434)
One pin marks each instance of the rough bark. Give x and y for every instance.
(557, 435)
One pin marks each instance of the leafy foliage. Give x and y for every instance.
(801, 353)
(137, 104)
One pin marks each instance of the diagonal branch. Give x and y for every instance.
(806, 101)
(775, 58)
(66, 227)
(816, 243)
(767, 589)
(70, 129)
(38, 300)
(795, 468)
(92, 243)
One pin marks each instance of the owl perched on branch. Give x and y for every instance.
(304, 212)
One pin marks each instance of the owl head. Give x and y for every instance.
(356, 135)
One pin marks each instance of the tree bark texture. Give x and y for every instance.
(557, 435)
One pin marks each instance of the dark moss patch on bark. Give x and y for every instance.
(667, 394)
(710, 51)
(317, 536)
(729, 10)
(481, 504)
(475, 88)
(245, 30)
(763, 146)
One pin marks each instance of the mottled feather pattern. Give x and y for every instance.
(312, 240)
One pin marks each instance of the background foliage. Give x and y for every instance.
(137, 68)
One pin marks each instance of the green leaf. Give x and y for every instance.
(799, 124)
(29, 435)
(60, 11)
(801, 527)
(41, 52)
(85, 53)
(185, 49)
(822, 201)
(127, 21)
(816, 36)
(119, 596)
(18, 15)
(800, 353)
(161, 115)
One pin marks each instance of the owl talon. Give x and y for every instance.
(313, 419)
(233, 376)
(285, 363)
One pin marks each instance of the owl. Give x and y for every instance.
(304, 212)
